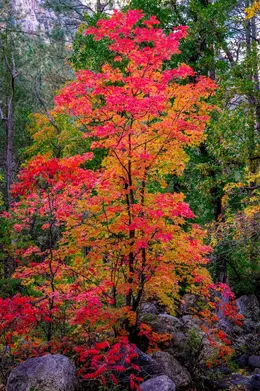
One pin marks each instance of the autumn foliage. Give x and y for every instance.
(92, 246)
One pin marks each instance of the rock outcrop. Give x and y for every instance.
(46, 373)
(34, 16)
(178, 366)
(249, 307)
(170, 367)
(41, 16)
(254, 361)
(190, 349)
(162, 383)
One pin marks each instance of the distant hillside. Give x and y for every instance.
(47, 16)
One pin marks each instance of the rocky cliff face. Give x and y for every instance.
(32, 16)
(45, 15)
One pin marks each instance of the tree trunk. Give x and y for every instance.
(254, 127)
(9, 263)
(9, 150)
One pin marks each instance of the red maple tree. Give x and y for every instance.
(112, 238)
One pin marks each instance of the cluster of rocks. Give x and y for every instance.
(190, 346)
(177, 366)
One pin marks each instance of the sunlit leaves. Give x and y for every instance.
(112, 238)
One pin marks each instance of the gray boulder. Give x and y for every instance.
(254, 361)
(158, 383)
(150, 307)
(255, 382)
(234, 382)
(46, 373)
(248, 343)
(190, 304)
(192, 322)
(177, 346)
(147, 365)
(172, 368)
(242, 361)
(165, 324)
(248, 306)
